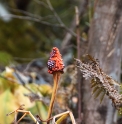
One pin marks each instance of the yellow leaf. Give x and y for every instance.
(8, 81)
(7, 105)
(21, 98)
(44, 89)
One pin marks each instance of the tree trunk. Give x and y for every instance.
(105, 44)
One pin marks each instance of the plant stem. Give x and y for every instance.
(56, 77)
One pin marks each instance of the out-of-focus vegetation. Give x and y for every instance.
(28, 31)
(29, 39)
(23, 40)
(13, 95)
(34, 97)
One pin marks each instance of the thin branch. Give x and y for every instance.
(29, 64)
(28, 59)
(70, 46)
(21, 118)
(54, 12)
(31, 14)
(42, 3)
(25, 12)
(32, 19)
(39, 19)
(60, 21)
(24, 59)
(82, 7)
(12, 80)
(77, 32)
(78, 56)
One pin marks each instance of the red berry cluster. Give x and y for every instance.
(55, 62)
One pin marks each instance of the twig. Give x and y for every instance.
(29, 64)
(20, 107)
(42, 3)
(32, 19)
(38, 117)
(12, 80)
(78, 56)
(82, 7)
(40, 21)
(31, 14)
(15, 117)
(77, 32)
(70, 46)
(22, 82)
(54, 12)
(59, 20)
(24, 59)
(63, 116)
(25, 12)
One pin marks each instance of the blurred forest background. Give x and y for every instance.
(28, 31)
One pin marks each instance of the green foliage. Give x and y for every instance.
(5, 58)
(16, 39)
(27, 39)
(97, 90)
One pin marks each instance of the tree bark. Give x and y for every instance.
(105, 44)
